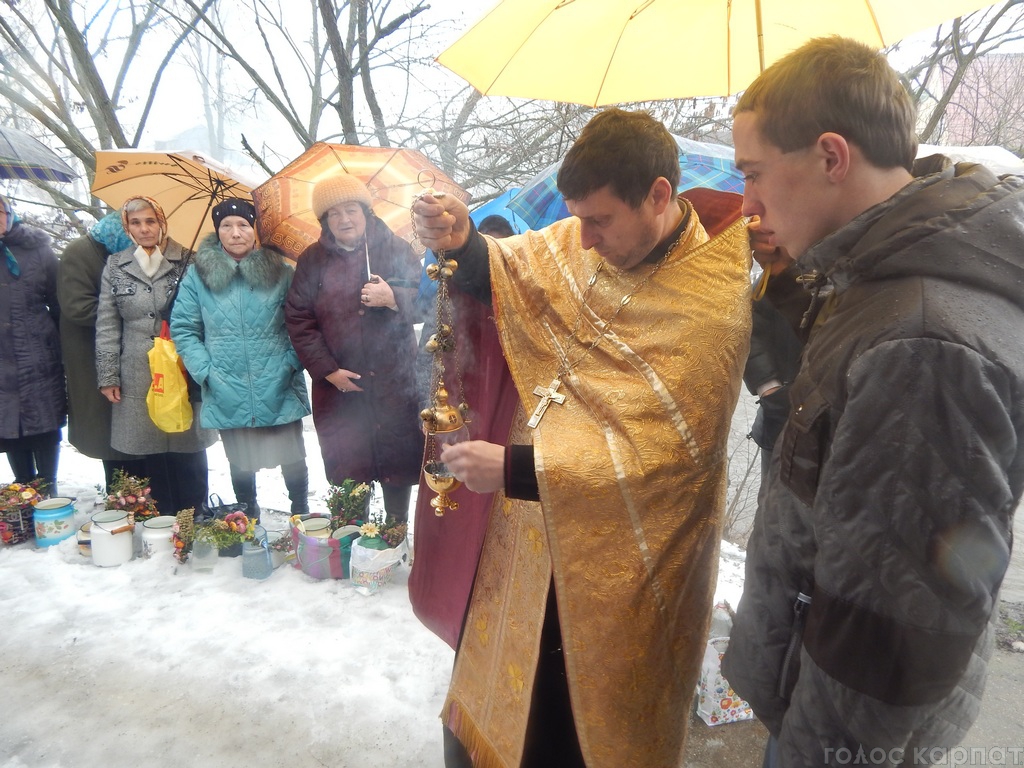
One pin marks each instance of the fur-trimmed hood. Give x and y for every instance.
(260, 269)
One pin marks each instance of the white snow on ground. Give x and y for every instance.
(151, 664)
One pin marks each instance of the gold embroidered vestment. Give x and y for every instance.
(632, 476)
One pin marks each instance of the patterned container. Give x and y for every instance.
(54, 521)
(156, 535)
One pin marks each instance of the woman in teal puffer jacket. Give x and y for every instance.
(228, 325)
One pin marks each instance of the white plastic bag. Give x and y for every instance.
(372, 568)
(717, 702)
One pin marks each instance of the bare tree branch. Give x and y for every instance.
(188, 29)
(346, 96)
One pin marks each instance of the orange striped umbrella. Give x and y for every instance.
(284, 203)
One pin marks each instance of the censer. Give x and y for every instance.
(444, 424)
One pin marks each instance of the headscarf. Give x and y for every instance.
(109, 232)
(149, 262)
(12, 219)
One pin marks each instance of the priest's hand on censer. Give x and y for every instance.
(478, 464)
(345, 381)
(441, 223)
(377, 293)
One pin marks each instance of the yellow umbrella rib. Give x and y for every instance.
(618, 39)
(874, 20)
(485, 88)
(759, 22)
(522, 43)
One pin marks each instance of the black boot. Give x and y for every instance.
(296, 480)
(396, 502)
(46, 457)
(244, 484)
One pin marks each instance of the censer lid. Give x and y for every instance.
(442, 416)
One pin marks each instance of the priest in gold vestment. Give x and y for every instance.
(625, 329)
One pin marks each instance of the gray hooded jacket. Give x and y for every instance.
(893, 485)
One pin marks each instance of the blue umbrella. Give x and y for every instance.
(24, 157)
(499, 207)
(539, 203)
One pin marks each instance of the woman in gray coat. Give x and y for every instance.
(136, 290)
(32, 402)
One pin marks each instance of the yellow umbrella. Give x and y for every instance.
(394, 176)
(598, 52)
(186, 184)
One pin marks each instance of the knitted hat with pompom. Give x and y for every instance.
(343, 188)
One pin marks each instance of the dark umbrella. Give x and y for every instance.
(23, 157)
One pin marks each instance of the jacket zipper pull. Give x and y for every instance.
(800, 606)
(789, 667)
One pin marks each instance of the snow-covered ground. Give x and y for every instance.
(151, 664)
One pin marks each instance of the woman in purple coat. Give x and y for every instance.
(350, 314)
(33, 406)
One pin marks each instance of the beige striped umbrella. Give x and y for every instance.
(186, 184)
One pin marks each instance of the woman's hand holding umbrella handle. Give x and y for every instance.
(441, 223)
(377, 293)
(113, 394)
(345, 381)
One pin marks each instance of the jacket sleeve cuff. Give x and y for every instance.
(521, 473)
(473, 277)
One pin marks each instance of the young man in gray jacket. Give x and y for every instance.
(883, 533)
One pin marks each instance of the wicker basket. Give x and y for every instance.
(17, 525)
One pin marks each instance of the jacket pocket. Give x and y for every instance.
(805, 441)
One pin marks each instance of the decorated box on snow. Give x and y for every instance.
(717, 702)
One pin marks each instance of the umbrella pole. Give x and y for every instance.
(760, 33)
(195, 237)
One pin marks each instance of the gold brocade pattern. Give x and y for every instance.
(632, 472)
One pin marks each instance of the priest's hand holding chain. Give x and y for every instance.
(441, 221)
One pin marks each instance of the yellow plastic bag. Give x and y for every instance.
(167, 398)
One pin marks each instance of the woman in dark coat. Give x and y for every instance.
(33, 406)
(350, 314)
(78, 288)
